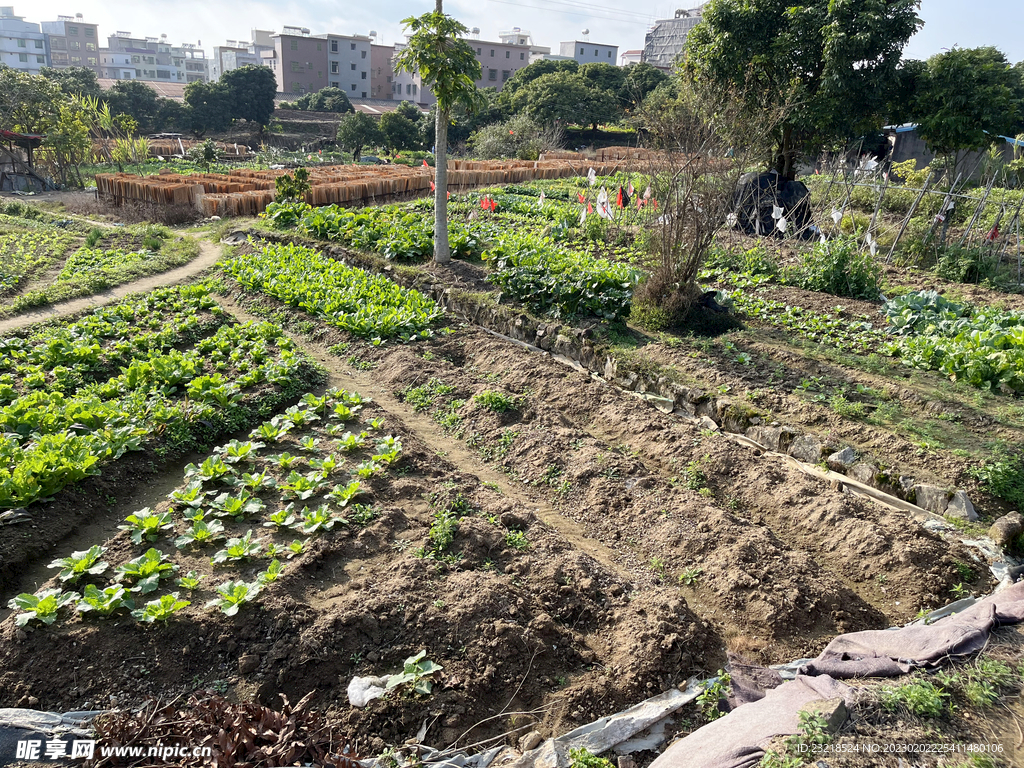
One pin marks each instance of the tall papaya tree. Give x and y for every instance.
(446, 64)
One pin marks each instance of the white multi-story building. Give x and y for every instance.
(237, 54)
(152, 59)
(589, 53)
(22, 43)
(349, 64)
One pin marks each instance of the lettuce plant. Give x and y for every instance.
(42, 606)
(80, 564)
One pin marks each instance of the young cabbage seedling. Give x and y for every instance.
(416, 674)
(81, 564)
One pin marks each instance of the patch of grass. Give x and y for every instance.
(423, 396)
(922, 698)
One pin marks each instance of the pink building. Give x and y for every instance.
(381, 72)
(299, 62)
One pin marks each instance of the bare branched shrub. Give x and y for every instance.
(702, 141)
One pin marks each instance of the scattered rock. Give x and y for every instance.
(707, 423)
(863, 472)
(248, 664)
(1006, 529)
(961, 506)
(530, 741)
(840, 461)
(931, 497)
(806, 448)
(833, 710)
(626, 761)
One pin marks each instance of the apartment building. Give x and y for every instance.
(299, 62)
(586, 52)
(382, 73)
(408, 86)
(349, 64)
(153, 59)
(236, 54)
(22, 43)
(73, 43)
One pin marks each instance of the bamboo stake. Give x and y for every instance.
(941, 216)
(874, 216)
(978, 210)
(910, 215)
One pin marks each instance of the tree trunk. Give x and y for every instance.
(442, 252)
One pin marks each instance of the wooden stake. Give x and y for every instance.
(910, 215)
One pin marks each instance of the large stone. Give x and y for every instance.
(931, 497)
(530, 741)
(863, 472)
(960, 506)
(832, 710)
(1006, 529)
(611, 368)
(840, 461)
(248, 664)
(806, 448)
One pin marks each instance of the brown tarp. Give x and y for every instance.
(738, 740)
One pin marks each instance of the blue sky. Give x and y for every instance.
(948, 22)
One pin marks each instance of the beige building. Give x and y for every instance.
(73, 43)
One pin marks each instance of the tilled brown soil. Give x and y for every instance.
(618, 502)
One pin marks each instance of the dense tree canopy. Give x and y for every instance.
(209, 107)
(533, 71)
(80, 81)
(566, 98)
(399, 132)
(324, 100)
(356, 131)
(135, 98)
(834, 60)
(965, 97)
(638, 81)
(28, 103)
(252, 91)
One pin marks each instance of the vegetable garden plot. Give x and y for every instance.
(163, 373)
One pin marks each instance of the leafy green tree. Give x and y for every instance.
(447, 65)
(209, 107)
(409, 110)
(637, 82)
(252, 90)
(967, 96)
(28, 103)
(605, 76)
(356, 131)
(835, 59)
(136, 99)
(465, 122)
(566, 98)
(80, 81)
(398, 132)
(531, 72)
(324, 100)
(171, 115)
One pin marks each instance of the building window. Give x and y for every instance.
(408, 89)
(479, 52)
(353, 46)
(362, 75)
(295, 45)
(319, 74)
(59, 43)
(362, 54)
(21, 44)
(73, 31)
(505, 74)
(90, 32)
(581, 51)
(353, 88)
(508, 54)
(389, 78)
(609, 54)
(296, 67)
(595, 51)
(163, 73)
(334, 46)
(88, 46)
(335, 84)
(136, 60)
(334, 68)
(353, 67)
(74, 45)
(92, 61)
(492, 53)
(492, 74)
(364, 94)
(522, 56)
(319, 46)
(414, 89)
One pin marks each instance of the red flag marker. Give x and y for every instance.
(432, 187)
(590, 208)
(618, 200)
(580, 196)
(425, 164)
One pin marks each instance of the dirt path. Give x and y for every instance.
(209, 254)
